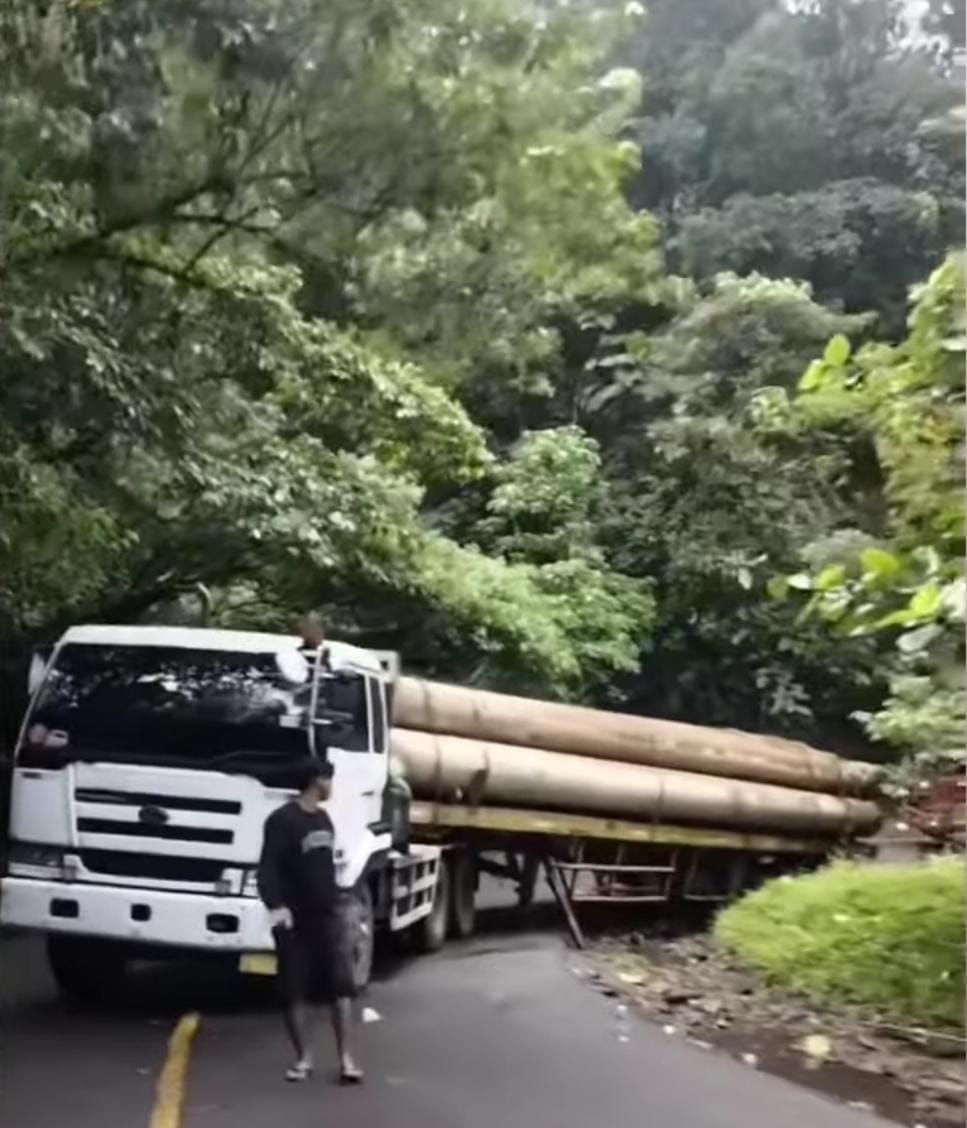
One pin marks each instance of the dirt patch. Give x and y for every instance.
(695, 991)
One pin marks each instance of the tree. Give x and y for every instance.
(800, 141)
(908, 402)
(845, 237)
(705, 505)
(227, 333)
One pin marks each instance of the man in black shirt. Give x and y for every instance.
(297, 883)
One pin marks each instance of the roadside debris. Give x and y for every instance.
(817, 1047)
(693, 990)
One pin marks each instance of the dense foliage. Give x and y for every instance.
(801, 140)
(890, 938)
(904, 405)
(249, 249)
(480, 330)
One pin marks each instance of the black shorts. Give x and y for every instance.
(314, 964)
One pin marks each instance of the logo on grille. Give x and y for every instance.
(153, 816)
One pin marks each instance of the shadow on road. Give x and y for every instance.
(214, 985)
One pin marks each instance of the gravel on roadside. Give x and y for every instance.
(696, 991)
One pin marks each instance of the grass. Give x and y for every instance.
(890, 938)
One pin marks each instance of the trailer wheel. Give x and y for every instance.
(358, 923)
(430, 933)
(463, 892)
(87, 970)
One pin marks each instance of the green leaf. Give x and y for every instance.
(838, 350)
(800, 581)
(777, 588)
(812, 378)
(927, 601)
(955, 600)
(834, 607)
(929, 559)
(904, 617)
(880, 564)
(830, 577)
(913, 642)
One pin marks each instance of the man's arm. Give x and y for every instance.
(274, 841)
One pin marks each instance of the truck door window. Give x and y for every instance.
(378, 713)
(341, 718)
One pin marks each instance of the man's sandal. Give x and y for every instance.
(301, 1071)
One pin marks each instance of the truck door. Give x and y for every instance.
(349, 729)
(379, 732)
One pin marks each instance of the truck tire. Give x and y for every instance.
(430, 933)
(463, 893)
(359, 935)
(86, 969)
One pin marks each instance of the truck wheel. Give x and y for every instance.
(430, 933)
(86, 970)
(463, 892)
(358, 922)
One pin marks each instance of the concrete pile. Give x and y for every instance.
(480, 747)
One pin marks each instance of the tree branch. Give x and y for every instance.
(161, 210)
(223, 229)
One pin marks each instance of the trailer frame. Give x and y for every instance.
(594, 861)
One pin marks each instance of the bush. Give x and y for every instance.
(886, 937)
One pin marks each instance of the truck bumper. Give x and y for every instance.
(140, 916)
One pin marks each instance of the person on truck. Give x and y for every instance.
(297, 884)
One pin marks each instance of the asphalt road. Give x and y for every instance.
(497, 1033)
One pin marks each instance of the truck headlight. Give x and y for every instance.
(250, 883)
(25, 859)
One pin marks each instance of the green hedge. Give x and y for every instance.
(886, 937)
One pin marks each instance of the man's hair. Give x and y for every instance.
(310, 771)
(311, 629)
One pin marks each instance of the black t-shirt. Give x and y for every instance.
(297, 868)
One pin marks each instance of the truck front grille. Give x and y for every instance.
(159, 867)
(111, 811)
(146, 799)
(142, 830)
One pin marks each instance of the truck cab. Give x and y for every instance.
(147, 764)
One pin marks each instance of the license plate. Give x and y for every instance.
(258, 963)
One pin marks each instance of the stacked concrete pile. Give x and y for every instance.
(493, 748)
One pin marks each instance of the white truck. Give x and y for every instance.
(150, 758)
(146, 766)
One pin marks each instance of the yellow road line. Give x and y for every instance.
(169, 1097)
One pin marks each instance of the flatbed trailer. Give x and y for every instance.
(604, 861)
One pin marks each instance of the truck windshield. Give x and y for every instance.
(161, 705)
